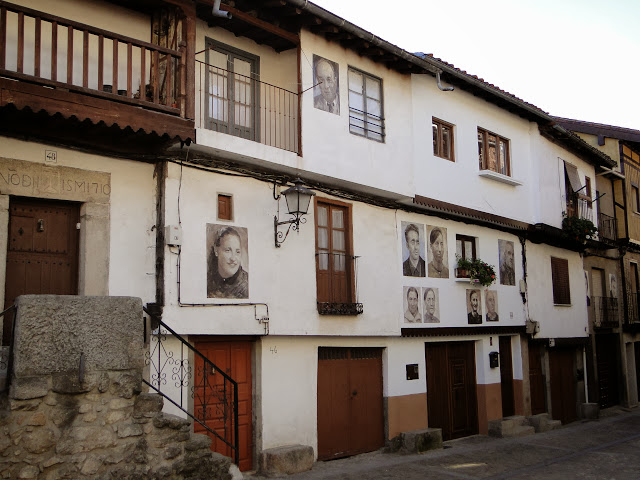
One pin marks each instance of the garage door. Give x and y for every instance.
(350, 413)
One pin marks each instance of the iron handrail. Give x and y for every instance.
(184, 374)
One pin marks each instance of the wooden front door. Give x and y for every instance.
(506, 377)
(234, 358)
(563, 384)
(536, 379)
(42, 252)
(350, 410)
(607, 358)
(451, 388)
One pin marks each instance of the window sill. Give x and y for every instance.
(562, 305)
(467, 280)
(498, 177)
(329, 308)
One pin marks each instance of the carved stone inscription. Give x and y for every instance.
(29, 179)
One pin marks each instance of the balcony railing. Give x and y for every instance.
(57, 52)
(607, 228)
(245, 107)
(606, 311)
(633, 308)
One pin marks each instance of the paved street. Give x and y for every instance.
(604, 449)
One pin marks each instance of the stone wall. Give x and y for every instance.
(76, 409)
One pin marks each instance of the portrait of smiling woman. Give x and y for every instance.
(227, 260)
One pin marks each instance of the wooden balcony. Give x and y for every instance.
(55, 67)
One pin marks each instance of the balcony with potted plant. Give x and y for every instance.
(475, 271)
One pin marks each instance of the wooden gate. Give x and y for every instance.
(350, 411)
(607, 358)
(563, 384)
(536, 379)
(451, 388)
(42, 253)
(506, 377)
(234, 357)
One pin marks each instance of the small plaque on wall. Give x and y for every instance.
(412, 371)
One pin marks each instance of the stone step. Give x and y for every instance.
(515, 426)
(543, 423)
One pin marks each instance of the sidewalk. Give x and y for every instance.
(607, 448)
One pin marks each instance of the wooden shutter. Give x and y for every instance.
(560, 280)
(224, 207)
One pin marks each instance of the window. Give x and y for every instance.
(225, 207)
(334, 259)
(232, 93)
(493, 152)
(635, 198)
(466, 247)
(560, 281)
(365, 105)
(442, 139)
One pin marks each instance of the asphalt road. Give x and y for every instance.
(603, 449)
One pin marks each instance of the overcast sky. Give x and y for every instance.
(572, 58)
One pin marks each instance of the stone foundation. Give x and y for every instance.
(286, 460)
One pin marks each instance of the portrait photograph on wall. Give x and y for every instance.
(437, 252)
(431, 305)
(474, 308)
(326, 81)
(227, 261)
(588, 287)
(491, 303)
(613, 285)
(411, 302)
(506, 262)
(413, 264)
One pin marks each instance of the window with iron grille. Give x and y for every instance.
(560, 281)
(493, 152)
(442, 139)
(365, 105)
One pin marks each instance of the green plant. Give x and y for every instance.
(478, 270)
(578, 229)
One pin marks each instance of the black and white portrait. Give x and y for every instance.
(326, 91)
(613, 286)
(474, 308)
(227, 262)
(413, 264)
(431, 305)
(412, 305)
(491, 302)
(588, 287)
(506, 262)
(437, 252)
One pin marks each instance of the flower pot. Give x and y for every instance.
(462, 273)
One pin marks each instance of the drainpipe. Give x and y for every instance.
(584, 367)
(440, 86)
(219, 13)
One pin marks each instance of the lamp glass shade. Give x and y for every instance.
(298, 199)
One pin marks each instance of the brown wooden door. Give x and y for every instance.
(451, 388)
(42, 252)
(234, 358)
(563, 384)
(506, 377)
(536, 379)
(350, 411)
(636, 347)
(607, 358)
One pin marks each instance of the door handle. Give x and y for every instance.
(41, 225)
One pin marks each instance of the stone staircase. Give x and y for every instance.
(519, 426)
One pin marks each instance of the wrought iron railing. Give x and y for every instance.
(58, 52)
(338, 285)
(245, 107)
(366, 124)
(633, 308)
(213, 392)
(607, 228)
(606, 311)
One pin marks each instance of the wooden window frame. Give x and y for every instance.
(560, 281)
(468, 238)
(483, 147)
(365, 131)
(349, 271)
(635, 198)
(438, 135)
(222, 196)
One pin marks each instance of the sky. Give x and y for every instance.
(577, 59)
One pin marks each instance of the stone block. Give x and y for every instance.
(27, 388)
(132, 430)
(148, 405)
(417, 441)
(286, 460)
(52, 331)
(39, 441)
(198, 441)
(166, 420)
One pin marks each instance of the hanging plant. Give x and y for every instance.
(477, 271)
(579, 229)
